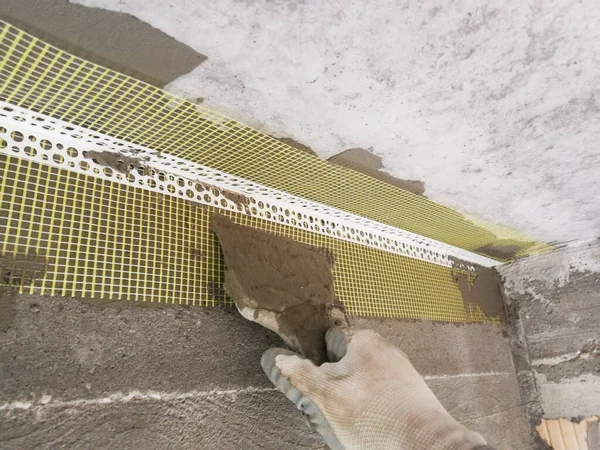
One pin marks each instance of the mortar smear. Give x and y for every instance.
(284, 285)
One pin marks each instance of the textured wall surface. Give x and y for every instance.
(491, 109)
(493, 105)
(555, 302)
(120, 375)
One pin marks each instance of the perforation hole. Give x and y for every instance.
(17, 136)
(280, 210)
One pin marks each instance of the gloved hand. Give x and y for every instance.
(369, 397)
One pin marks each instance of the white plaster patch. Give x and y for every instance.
(467, 375)
(555, 360)
(45, 401)
(493, 105)
(571, 397)
(549, 271)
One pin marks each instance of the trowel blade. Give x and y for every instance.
(282, 284)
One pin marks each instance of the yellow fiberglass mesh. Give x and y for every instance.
(44, 79)
(108, 241)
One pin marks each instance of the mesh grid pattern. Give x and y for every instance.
(42, 78)
(113, 241)
(52, 142)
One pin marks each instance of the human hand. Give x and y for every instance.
(368, 397)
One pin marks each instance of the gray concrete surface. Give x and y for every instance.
(554, 300)
(492, 105)
(85, 375)
(442, 92)
(115, 40)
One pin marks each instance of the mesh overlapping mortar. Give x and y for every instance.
(44, 79)
(111, 235)
(51, 141)
(122, 238)
(111, 241)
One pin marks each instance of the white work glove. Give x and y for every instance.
(369, 397)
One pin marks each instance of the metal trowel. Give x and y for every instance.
(282, 284)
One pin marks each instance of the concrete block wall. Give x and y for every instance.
(78, 374)
(554, 306)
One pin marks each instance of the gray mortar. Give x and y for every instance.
(70, 351)
(78, 363)
(586, 362)
(72, 348)
(7, 308)
(566, 323)
(525, 374)
(244, 420)
(369, 163)
(553, 303)
(115, 40)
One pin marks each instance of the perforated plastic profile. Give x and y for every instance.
(29, 135)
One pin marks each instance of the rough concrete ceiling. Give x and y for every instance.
(493, 105)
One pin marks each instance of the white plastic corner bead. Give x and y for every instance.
(36, 137)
